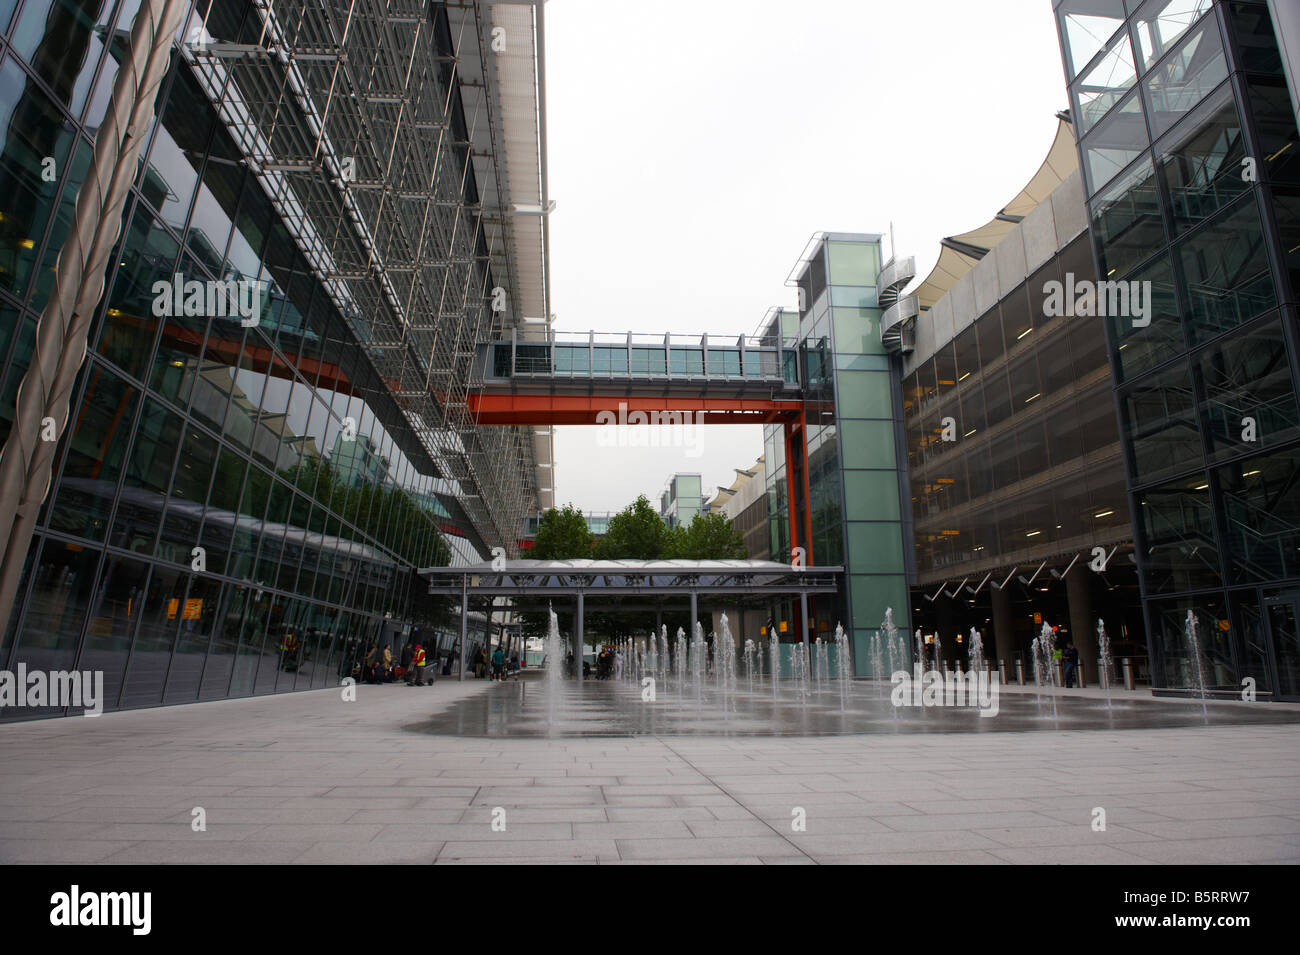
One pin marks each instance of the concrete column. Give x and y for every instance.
(579, 647)
(947, 626)
(1002, 627)
(464, 619)
(1078, 592)
(695, 615)
(803, 618)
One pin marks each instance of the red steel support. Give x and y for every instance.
(792, 507)
(807, 493)
(488, 408)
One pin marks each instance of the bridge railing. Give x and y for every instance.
(597, 355)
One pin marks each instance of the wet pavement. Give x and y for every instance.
(526, 708)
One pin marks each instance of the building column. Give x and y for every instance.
(803, 619)
(1078, 593)
(464, 620)
(579, 648)
(1003, 635)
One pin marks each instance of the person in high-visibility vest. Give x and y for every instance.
(417, 667)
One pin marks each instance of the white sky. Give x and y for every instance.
(695, 145)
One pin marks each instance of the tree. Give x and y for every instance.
(709, 537)
(639, 533)
(635, 533)
(562, 535)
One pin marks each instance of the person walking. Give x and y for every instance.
(1071, 665)
(499, 665)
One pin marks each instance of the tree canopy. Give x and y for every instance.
(562, 535)
(708, 537)
(635, 533)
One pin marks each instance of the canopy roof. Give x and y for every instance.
(959, 253)
(616, 567)
(670, 579)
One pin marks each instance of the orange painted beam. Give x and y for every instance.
(525, 409)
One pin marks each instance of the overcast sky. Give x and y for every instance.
(696, 145)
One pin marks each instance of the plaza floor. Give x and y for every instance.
(420, 775)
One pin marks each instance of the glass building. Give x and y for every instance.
(239, 507)
(851, 472)
(1187, 142)
(682, 500)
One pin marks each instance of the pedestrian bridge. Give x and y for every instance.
(574, 378)
(595, 378)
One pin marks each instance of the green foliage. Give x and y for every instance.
(562, 535)
(709, 537)
(636, 533)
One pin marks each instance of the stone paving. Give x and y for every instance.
(309, 778)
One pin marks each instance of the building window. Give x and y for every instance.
(1185, 77)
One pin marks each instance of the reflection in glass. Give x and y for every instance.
(1226, 269)
(1186, 77)
(1202, 169)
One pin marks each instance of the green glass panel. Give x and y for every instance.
(854, 263)
(871, 495)
(875, 548)
(864, 394)
(857, 331)
(873, 593)
(867, 444)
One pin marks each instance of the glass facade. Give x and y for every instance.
(683, 500)
(1191, 178)
(236, 508)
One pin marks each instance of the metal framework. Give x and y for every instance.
(374, 128)
(528, 582)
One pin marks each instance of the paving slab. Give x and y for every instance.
(308, 778)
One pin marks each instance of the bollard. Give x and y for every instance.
(1059, 669)
(1020, 672)
(1128, 676)
(1002, 671)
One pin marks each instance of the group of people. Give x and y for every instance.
(501, 666)
(414, 666)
